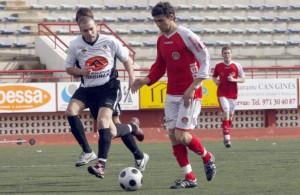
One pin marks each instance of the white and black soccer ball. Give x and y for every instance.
(130, 179)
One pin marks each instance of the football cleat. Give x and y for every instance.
(138, 133)
(210, 168)
(85, 158)
(97, 170)
(183, 183)
(141, 164)
(227, 143)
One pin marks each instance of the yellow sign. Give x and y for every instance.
(209, 94)
(154, 96)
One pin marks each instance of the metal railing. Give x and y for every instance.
(24, 76)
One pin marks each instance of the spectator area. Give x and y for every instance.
(261, 33)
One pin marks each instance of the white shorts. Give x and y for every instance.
(179, 117)
(227, 105)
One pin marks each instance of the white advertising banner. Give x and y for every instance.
(66, 90)
(257, 94)
(27, 97)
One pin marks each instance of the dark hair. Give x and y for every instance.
(226, 48)
(84, 12)
(163, 8)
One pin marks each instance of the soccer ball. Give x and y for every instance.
(130, 179)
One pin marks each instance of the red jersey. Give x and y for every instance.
(184, 57)
(226, 88)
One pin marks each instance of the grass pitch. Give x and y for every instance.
(249, 167)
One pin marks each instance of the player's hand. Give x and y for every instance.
(188, 97)
(87, 70)
(137, 84)
(231, 79)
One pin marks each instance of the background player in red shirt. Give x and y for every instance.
(226, 75)
(185, 58)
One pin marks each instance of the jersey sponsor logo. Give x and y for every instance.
(184, 120)
(16, 97)
(168, 42)
(83, 50)
(97, 62)
(175, 55)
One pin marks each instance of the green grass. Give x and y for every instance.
(249, 167)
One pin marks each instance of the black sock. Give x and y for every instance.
(130, 143)
(104, 143)
(77, 130)
(122, 130)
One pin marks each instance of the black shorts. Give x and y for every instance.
(107, 95)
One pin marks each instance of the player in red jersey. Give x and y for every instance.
(226, 75)
(185, 58)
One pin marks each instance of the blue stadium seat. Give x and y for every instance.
(66, 7)
(50, 19)
(183, 7)
(225, 19)
(197, 31)
(136, 31)
(239, 18)
(196, 19)
(279, 30)
(264, 43)
(10, 19)
(222, 43)
(126, 7)
(252, 30)
(24, 31)
(294, 19)
(6, 31)
(209, 30)
(281, 19)
(226, 7)
(51, 7)
(253, 18)
(268, 7)
(97, 6)
(279, 43)
(109, 19)
(19, 44)
(151, 31)
(37, 6)
(211, 18)
(209, 43)
(212, 7)
(62, 31)
(124, 19)
(2, 6)
(266, 18)
(77, 6)
(282, 7)
(139, 19)
(5, 44)
(111, 7)
(223, 30)
(122, 31)
(135, 43)
(251, 43)
(136, 6)
(236, 43)
(65, 19)
(237, 30)
(182, 18)
(293, 30)
(295, 6)
(293, 43)
(149, 43)
(197, 7)
(266, 30)
(253, 6)
(240, 6)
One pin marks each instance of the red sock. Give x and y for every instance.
(180, 152)
(226, 127)
(196, 146)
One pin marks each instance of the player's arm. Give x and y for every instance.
(216, 80)
(241, 75)
(128, 64)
